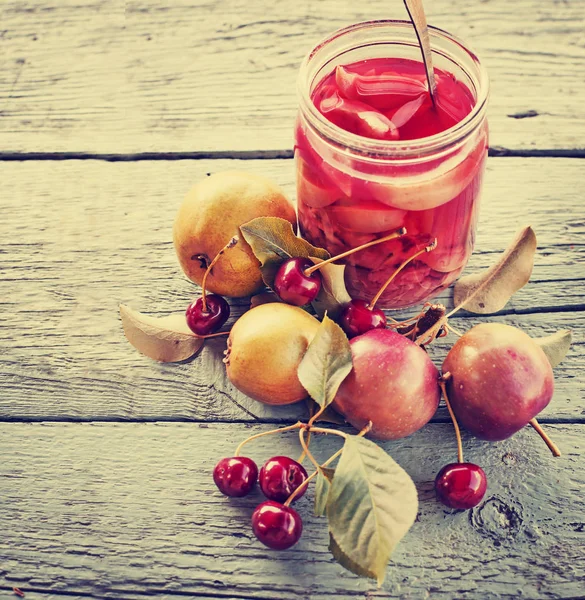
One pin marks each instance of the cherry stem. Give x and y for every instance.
(327, 462)
(327, 431)
(429, 248)
(229, 245)
(271, 432)
(453, 330)
(442, 383)
(552, 446)
(317, 415)
(306, 447)
(400, 232)
(212, 335)
(311, 405)
(301, 488)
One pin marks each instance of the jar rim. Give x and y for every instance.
(394, 148)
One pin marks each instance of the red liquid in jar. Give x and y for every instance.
(343, 205)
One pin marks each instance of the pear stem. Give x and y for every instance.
(552, 446)
(400, 232)
(442, 384)
(271, 432)
(229, 245)
(429, 248)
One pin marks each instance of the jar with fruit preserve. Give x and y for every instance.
(374, 153)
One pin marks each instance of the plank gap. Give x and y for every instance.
(495, 151)
(544, 420)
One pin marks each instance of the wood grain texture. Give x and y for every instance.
(115, 510)
(107, 76)
(79, 237)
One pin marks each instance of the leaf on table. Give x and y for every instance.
(166, 339)
(555, 346)
(333, 295)
(273, 241)
(371, 505)
(326, 363)
(489, 291)
(322, 487)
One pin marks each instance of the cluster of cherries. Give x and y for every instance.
(274, 522)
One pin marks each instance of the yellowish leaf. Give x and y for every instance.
(166, 339)
(489, 291)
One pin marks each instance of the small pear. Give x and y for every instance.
(210, 216)
(500, 380)
(265, 348)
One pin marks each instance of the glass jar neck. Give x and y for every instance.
(383, 39)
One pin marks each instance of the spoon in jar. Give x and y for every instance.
(416, 12)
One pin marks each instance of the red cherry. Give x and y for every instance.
(461, 485)
(293, 286)
(235, 477)
(204, 322)
(277, 526)
(280, 477)
(357, 318)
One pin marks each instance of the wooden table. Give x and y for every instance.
(109, 112)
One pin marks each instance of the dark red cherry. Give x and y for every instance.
(461, 485)
(277, 526)
(357, 318)
(280, 477)
(236, 476)
(293, 286)
(204, 322)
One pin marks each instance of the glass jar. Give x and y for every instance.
(352, 189)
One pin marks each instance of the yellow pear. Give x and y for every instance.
(209, 218)
(265, 348)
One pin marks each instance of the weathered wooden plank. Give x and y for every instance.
(112, 76)
(114, 510)
(79, 237)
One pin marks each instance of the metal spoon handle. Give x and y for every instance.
(416, 12)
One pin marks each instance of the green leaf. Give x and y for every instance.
(333, 295)
(345, 561)
(322, 487)
(371, 505)
(273, 241)
(326, 363)
(555, 346)
(489, 291)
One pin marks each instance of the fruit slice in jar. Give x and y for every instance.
(383, 91)
(354, 116)
(365, 216)
(431, 191)
(311, 189)
(454, 244)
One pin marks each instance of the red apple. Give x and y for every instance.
(393, 384)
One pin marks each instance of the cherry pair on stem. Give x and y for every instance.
(298, 282)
